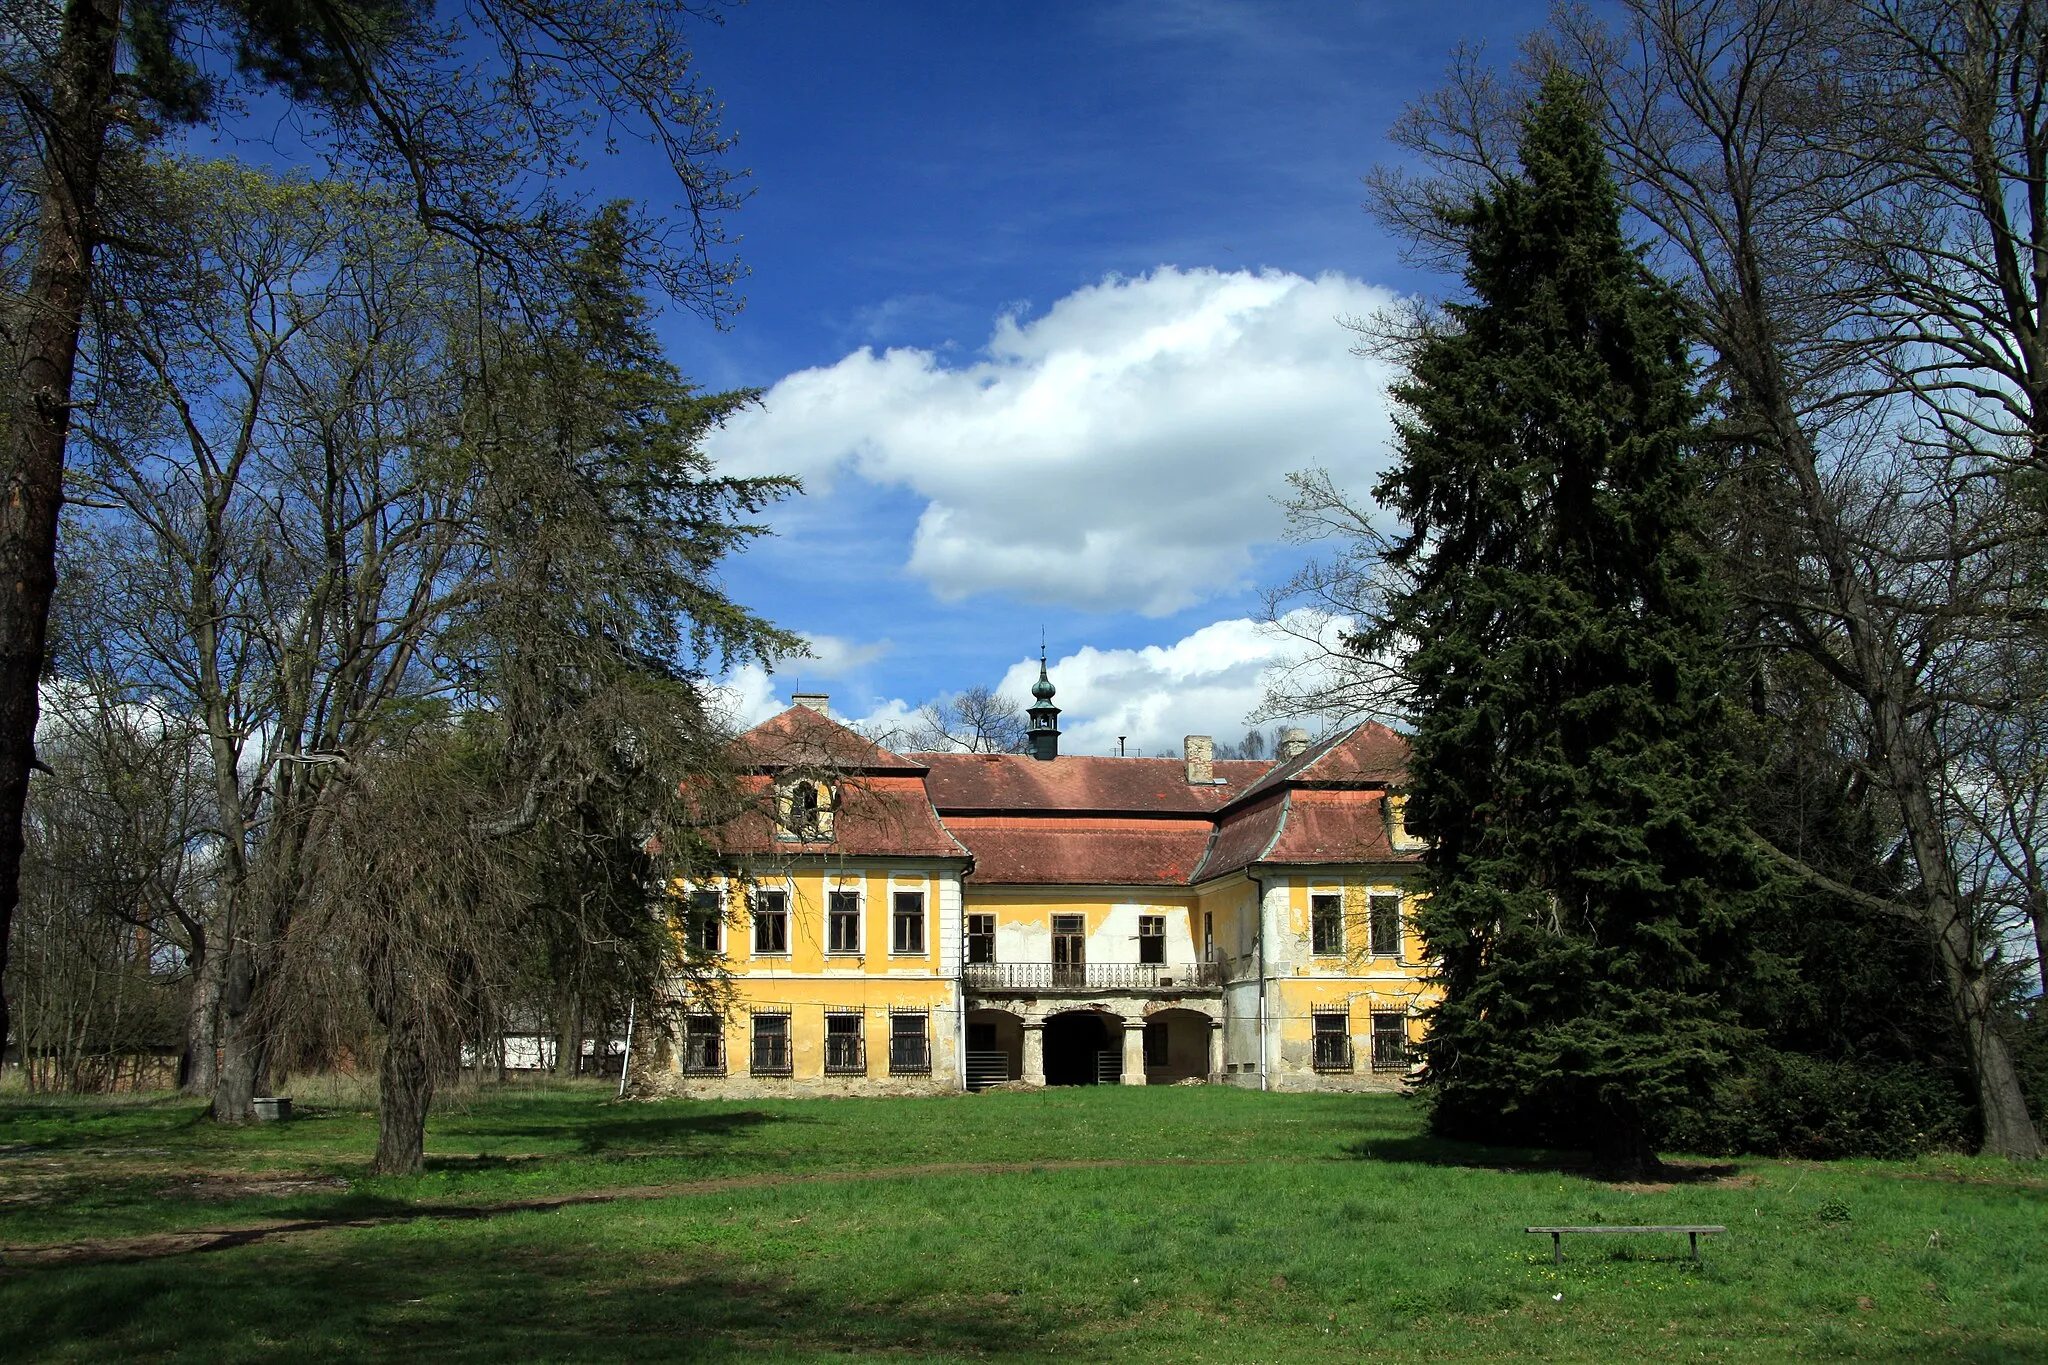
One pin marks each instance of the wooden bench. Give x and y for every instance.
(1691, 1230)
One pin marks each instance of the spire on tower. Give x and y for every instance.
(1044, 733)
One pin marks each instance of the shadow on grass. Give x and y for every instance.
(632, 1126)
(473, 1300)
(1431, 1151)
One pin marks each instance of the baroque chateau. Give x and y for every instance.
(926, 922)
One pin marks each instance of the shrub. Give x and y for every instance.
(1788, 1104)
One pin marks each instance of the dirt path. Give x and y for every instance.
(154, 1245)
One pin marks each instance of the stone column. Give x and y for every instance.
(1134, 1052)
(1034, 1053)
(1215, 1051)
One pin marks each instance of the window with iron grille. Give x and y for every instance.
(981, 938)
(703, 1045)
(843, 923)
(906, 924)
(1332, 1042)
(771, 923)
(772, 1055)
(1383, 920)
(845, 1045)
(704, 927)
(1326, 924)
(910, 1050)
(1151, 938)
(1390, 1049)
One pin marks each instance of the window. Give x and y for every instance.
(1069, 951)
(771, 923)
(1383, 917)
(807, 813)
(1151, 938)
(1390, 1051)
(906, 924)
(1333, 1042)
(845, 1050)
(1326, 924)
(981, 938)
(771, 1045)
(1155, 1043)
(843, 923)
(910, 1050)
(1397, 824)
(1208, 936)
(704, 928)
(703, 1045)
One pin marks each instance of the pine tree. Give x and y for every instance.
(1588, 877)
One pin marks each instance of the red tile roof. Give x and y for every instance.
(1058, 851)
(803, 738)
(1370, 753)
(885, 816)
(1077, 819)
(882, 809)
(1076, 782)
(1243, 836)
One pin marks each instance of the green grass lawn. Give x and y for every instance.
(1171, 1224)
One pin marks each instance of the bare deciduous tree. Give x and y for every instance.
(1850, 195)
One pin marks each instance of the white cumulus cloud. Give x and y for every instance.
(1120, 452)
(1205, 683)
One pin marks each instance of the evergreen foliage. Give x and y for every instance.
(1589, 879)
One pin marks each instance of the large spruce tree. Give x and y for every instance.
(1588, 876)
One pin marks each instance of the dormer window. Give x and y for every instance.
(806, 814)
(1397, 825)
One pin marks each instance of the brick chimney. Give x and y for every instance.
(1293, 742)
(815, 700)
(1201, 753)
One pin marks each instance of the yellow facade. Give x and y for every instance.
(1279, 969)
(1271, 985)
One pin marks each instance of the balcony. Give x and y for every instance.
(1054, 978)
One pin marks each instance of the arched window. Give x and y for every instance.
(807, 813)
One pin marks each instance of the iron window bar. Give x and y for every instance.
(846, 1051)
(772, 1055)
(910, 1052)
(703, 1045)
(1332, 1043)
(1391, 1050)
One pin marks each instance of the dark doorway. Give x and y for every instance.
(995, 1048)
(1080, 1048)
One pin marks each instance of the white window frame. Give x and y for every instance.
(923, 948)
(760, 914)
(860, 918)
(1373, 901)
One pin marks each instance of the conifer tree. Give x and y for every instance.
(1588, 877)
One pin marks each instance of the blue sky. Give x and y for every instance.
(1046, 301)
(1112, 178)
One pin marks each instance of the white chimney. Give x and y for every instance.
(1201, 753)
(1293, 742)
(815, 700)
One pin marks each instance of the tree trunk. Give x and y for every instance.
(199, 1068)
(405, 1091)
(1889, 689)
(38, 405)
(241, 1040)
(569, 1036)
(1621, 1150)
